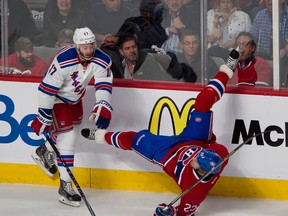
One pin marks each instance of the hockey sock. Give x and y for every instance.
(212, 92)
(122, 140)
(66, 143)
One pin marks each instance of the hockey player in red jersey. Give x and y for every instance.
(60, 104)
(185, 157)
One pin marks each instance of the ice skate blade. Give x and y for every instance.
(65, 201)
(38, 161)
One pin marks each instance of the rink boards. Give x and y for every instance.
(258, 169)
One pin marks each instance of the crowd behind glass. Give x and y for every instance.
(143, 37)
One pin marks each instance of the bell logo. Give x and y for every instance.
(179, 118)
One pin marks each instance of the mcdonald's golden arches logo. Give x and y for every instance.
(178, 118)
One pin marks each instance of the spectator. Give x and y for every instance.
(65, 37)
(190, 41)
(60, 14)
(173, 26)
(23, 61)
(20, 23)
(147, 27)
(225, 21)
(262, 30)
(108, 17)
(190, 11)
(138, 64)
(251, 70)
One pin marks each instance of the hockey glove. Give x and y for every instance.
(161, 212)
(42, 122)
(101, 114)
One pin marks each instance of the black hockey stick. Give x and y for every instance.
(70, 174)
(213, 168)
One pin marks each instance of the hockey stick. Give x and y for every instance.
(70, 174)
(209, 172)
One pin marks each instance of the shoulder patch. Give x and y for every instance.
(101, 58)
(67, 56)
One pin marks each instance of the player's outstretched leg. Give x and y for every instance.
(45, 159)
(68, 195)
(122, 140)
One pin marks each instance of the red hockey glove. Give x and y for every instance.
(171, 211)
(101, 114)
(42, 122)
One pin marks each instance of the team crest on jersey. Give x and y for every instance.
(188, 154)
(78, 87)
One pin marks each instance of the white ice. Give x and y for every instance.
(31, 200)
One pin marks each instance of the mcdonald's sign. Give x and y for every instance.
(179, 119)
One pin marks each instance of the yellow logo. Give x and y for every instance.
(179, 119)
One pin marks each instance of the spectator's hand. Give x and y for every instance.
(172, 30)
(211, 39)
(158, 50)
(177, 23)
(228, 44)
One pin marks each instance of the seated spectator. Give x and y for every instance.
(251, 70)
(108, 17)
(146, 27)
(139, 64)
(20, 23)
(60, 14)
(191, 55)
(23, 61)
(224, 22)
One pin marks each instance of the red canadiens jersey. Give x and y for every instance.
(177, 165)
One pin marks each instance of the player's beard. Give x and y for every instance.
(25, 63)
(85, 58)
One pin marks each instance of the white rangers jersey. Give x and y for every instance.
(66, 79)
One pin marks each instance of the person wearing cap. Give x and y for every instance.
(65, 37)
(23, 61)
(60, 107)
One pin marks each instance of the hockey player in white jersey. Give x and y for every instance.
(60, 104)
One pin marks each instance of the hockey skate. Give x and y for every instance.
(88, 133)
(93, 134)
(45, 159)
(67, 194)
(233, 59)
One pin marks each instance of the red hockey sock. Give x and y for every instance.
(212, 92)
(122, 140)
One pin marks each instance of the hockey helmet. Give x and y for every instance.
(83, 36)
(207, 159)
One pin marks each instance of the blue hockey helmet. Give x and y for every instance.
(207, 159)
